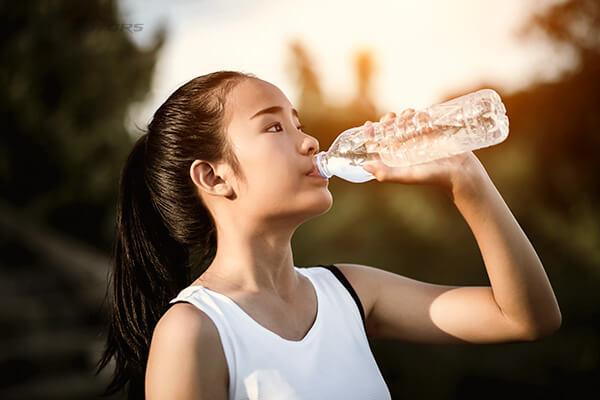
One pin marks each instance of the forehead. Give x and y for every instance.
(253, 95)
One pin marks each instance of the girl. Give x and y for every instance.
(225, 171)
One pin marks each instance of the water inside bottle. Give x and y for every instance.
(349, 164)
(457, 126)
(455, 130)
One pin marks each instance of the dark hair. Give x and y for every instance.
(162, 221)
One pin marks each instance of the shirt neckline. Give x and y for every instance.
(307, 336)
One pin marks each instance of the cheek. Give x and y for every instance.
(276, 180)
(273, 164)
(273, 170)
(270, 175)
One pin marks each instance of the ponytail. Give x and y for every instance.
(149, 270)
(162, 222)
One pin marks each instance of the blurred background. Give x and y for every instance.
(79, 82)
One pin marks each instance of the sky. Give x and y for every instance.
(423, 49)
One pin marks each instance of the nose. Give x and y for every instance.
(310, 145)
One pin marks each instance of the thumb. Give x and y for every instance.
(373, 166)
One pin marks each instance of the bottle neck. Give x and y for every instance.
(321, 161)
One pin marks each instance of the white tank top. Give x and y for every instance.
(332, 361)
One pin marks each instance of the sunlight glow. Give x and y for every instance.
(423, 50)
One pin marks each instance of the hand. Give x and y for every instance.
(454, 173)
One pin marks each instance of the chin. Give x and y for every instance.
(324, 203)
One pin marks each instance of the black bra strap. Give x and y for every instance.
(336, 271)
(179, 301)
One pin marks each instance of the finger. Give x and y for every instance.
(405, 115)
(371, 146)
(388, 120)
(385, 173)
(372, 166)
(368, 130)
(387, 116)
(378, 169)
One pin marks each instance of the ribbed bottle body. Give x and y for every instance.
(467, 123)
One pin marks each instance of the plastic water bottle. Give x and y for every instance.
(463, 124)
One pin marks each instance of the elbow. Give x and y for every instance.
(553, 322)
(545, 327)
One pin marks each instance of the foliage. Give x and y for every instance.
(69, 71)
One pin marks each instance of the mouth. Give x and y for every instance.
(315, 172)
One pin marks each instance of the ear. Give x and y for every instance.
(208, 178)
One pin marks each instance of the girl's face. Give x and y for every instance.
(275, 155)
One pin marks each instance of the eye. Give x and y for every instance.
(277, 125)
(279, 128)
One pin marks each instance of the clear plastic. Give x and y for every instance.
(466, 123)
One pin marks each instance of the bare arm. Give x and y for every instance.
(519, 283)
(519, 305)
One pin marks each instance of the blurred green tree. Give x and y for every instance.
(323, 116)
(561, 124)
(69, 72)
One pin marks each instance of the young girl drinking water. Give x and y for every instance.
(225, 170)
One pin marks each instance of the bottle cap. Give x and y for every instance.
(321, 165)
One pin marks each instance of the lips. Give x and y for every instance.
(314, 172)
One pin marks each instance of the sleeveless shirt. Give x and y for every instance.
(332, 361)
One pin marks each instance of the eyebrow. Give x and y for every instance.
(274, 110)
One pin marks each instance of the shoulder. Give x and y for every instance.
(186, 322)
(184, 342)
(364, 281)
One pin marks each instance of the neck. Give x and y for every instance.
(254, 262)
